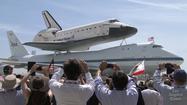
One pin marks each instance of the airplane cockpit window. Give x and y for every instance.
(113, 20)
(157, 46)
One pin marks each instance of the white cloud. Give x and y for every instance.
(176, 6)
(16, 28)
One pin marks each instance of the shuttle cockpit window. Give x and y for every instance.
(113, 21)
(157, 46)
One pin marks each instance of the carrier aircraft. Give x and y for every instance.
(126, 56)
(54, 38)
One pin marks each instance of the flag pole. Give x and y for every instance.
(51, 64)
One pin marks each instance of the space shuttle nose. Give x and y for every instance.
(128, 29)
(122, 31)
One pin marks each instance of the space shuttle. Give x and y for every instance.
(80, 38)
(126, 56)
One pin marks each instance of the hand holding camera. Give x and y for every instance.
(169, 67)
(34, 67)
(104, 65)
(84, 66)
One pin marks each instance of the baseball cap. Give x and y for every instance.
(180, 75)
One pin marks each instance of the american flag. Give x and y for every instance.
(151, 39)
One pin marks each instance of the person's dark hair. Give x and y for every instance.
(120, 80)
(39, 98)
(72, 69)
(6, 69)
(37, 83)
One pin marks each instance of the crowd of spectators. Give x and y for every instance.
(73, 84)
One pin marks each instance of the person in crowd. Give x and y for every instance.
(93, 100)
(150, 96)
(36, 91)
(175, 94)
(7, 70)
(164, 77)
(141, 85)
(124, 89)
(8, 94)
(71, 91)
(168, 82)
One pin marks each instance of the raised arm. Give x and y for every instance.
(24, 86)
(54, 81)
(85, 69)
(157, 82)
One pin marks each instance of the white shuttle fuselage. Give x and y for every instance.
(79, 38)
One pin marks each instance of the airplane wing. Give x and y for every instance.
(19, 64)
(16, 63)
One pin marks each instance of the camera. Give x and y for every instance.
(29, 66)
(110, 65)
(169, 68)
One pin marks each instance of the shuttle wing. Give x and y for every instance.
(57, 46)
(76, 45)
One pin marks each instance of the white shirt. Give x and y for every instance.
(172, 95)
(106, 96)
(71, 92)
(152, 97)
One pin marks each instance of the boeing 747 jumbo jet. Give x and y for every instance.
(126, 56)
(79, 38)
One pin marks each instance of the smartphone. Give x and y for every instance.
(29, 66)
(110, 65)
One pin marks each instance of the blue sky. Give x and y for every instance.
(166, 20)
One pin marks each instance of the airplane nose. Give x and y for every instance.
(180, 60)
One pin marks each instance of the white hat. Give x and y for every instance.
(10, 82)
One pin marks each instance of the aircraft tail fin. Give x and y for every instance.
(50, 21)
(16, 48)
